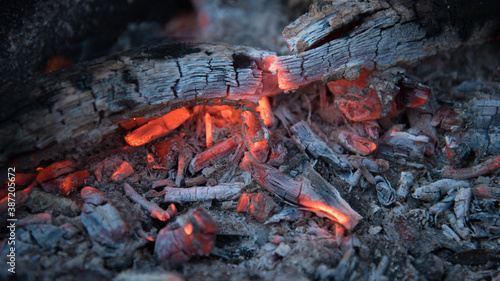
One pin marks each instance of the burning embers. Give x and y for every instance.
(192, 234)
(202, 153)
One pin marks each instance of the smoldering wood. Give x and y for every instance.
(310, 191)
(330, 194)
(82, 104)
(337, 39)
(154, 210)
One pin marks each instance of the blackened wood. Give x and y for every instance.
(318, 148)
(83, 104)
(337, 39)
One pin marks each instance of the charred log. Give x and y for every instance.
(337, 39)
(82, 104)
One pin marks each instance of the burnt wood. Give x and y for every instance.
(337, 39)
(83, 104)
(80, 105)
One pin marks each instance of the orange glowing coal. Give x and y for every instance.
(283, 83)
(122, 172)
(158, 215)
(57, 62)
(152, 164)
(328, 210)
(265, 111)
(135, 122)
(188, 229)
(158, 128)
(208, 129)
(256, 135)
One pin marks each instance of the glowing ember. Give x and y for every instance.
(193, 234)
(322, 207)
(489, 166)
(23, 179)
(417, 98)
(135, 122)
(355, 143)
(152, 162)
(208, 129)
(265, 111)
(218, 151)
(258, 205)
(301, 191)
(55, 170)
(283, 82)
(57, 62)
(486, 191)
(168, 151)
(188, 229)
(158, 128)
(159, 215)
(122, 172)
(356, 102)
(67, 184)
(256, 135)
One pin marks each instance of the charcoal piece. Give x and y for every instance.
(318, 148)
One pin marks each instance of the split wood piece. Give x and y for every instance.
(55, 170)
(192, 234)
(337, 39)
(214, 153)
(154, 210)
(354, 143)
(396, 144)
(162, 183)
(158, 127)
(433, 192)
(318, 148)
(122, 172)
(185, 157)
(488, 166)
(196, 181)
(311, 192)
(255, 134)
(42, 218)
(68, 184)
(223, 191)
(486, 191)
(80, 105)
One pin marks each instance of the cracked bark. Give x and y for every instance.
(335, 40)
(82, 104)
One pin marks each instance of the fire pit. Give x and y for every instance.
(366, 150)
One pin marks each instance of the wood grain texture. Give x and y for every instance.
(337, 39)
(82, 104)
